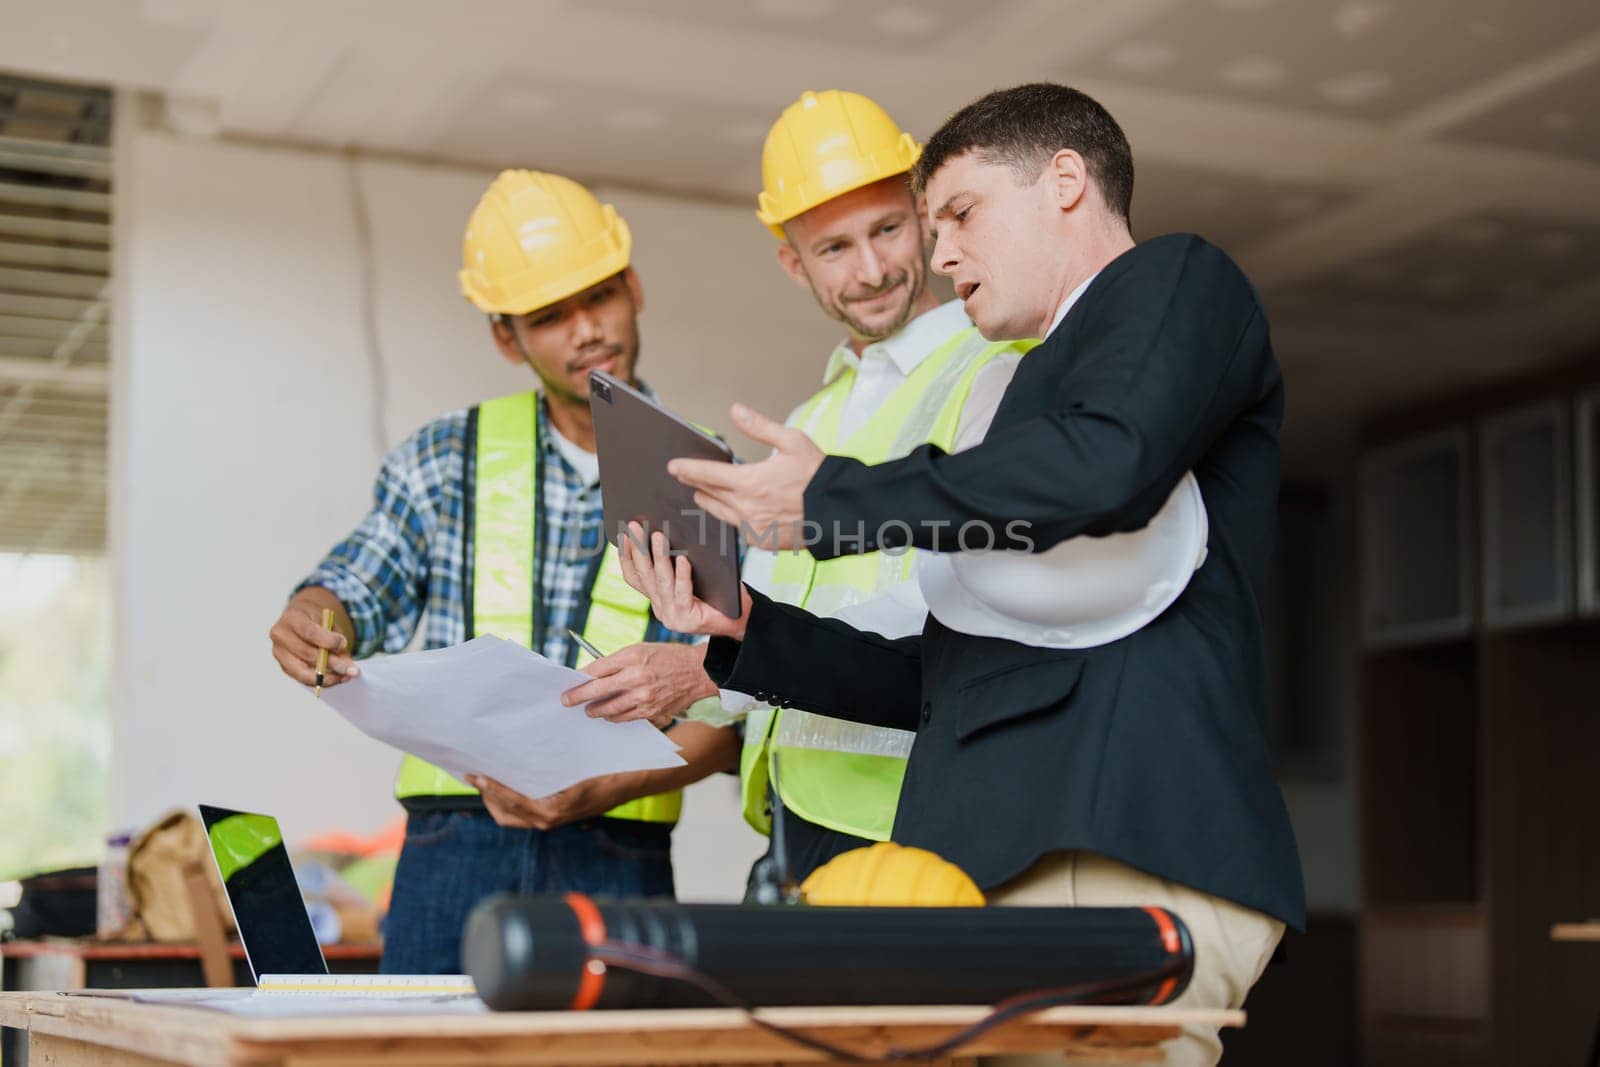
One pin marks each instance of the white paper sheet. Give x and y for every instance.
(492, 707)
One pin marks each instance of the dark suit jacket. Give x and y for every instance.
(1150, 750)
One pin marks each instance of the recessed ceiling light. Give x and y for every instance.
(1256, 72)
(1142, 56)
(905, 21)
(1356, 18)
(636, 119)
(1244, 5)
(1357, 87)
(1558, 122)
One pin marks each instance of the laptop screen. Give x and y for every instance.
(267, 906)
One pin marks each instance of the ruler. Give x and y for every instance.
(420, 985)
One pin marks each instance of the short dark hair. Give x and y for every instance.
(1023, 127)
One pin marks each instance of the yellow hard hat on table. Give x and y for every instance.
(537, 238)
(887, 875)
(824, 145)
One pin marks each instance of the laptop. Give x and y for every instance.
(280, 946)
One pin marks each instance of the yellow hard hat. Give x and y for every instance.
(824, 145)
(536, 238)
(887, 875)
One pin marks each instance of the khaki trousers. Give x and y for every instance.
(1231, 943)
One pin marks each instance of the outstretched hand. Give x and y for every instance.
(767, 499)
(669, 583)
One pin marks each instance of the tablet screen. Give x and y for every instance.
(635, 438)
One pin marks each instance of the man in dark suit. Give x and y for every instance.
(1134, 772)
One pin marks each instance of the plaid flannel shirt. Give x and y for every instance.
(404, 563)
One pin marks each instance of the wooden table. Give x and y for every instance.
(68, 1031)
(86, 963)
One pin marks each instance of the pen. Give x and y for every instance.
(322, 653)
(596, 653)
(586, 646)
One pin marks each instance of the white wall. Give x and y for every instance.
(243, 440)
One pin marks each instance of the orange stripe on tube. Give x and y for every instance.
(592, 927)
(1169, 941)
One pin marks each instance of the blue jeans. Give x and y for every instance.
(452, 860)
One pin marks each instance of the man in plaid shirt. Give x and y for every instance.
(550, 265)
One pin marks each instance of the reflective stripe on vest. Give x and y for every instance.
(846, 775)
(502, 535)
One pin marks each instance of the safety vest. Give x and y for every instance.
(503, 534)
(846, 775)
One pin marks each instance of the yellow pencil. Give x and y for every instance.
(322, 653)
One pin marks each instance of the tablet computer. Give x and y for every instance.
(634, 437)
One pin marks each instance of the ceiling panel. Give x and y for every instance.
(877, 25)
(1560, 119)
(617, 134)
(1315, 140)
(1480, 264)
(1363, 59)
(1229, 210)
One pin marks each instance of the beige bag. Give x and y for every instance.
(170, 873)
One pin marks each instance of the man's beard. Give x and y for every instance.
(911, 281)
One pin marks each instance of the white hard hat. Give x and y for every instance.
(1083, 592)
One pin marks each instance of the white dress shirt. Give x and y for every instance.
(883, 366)
(1066, 305)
